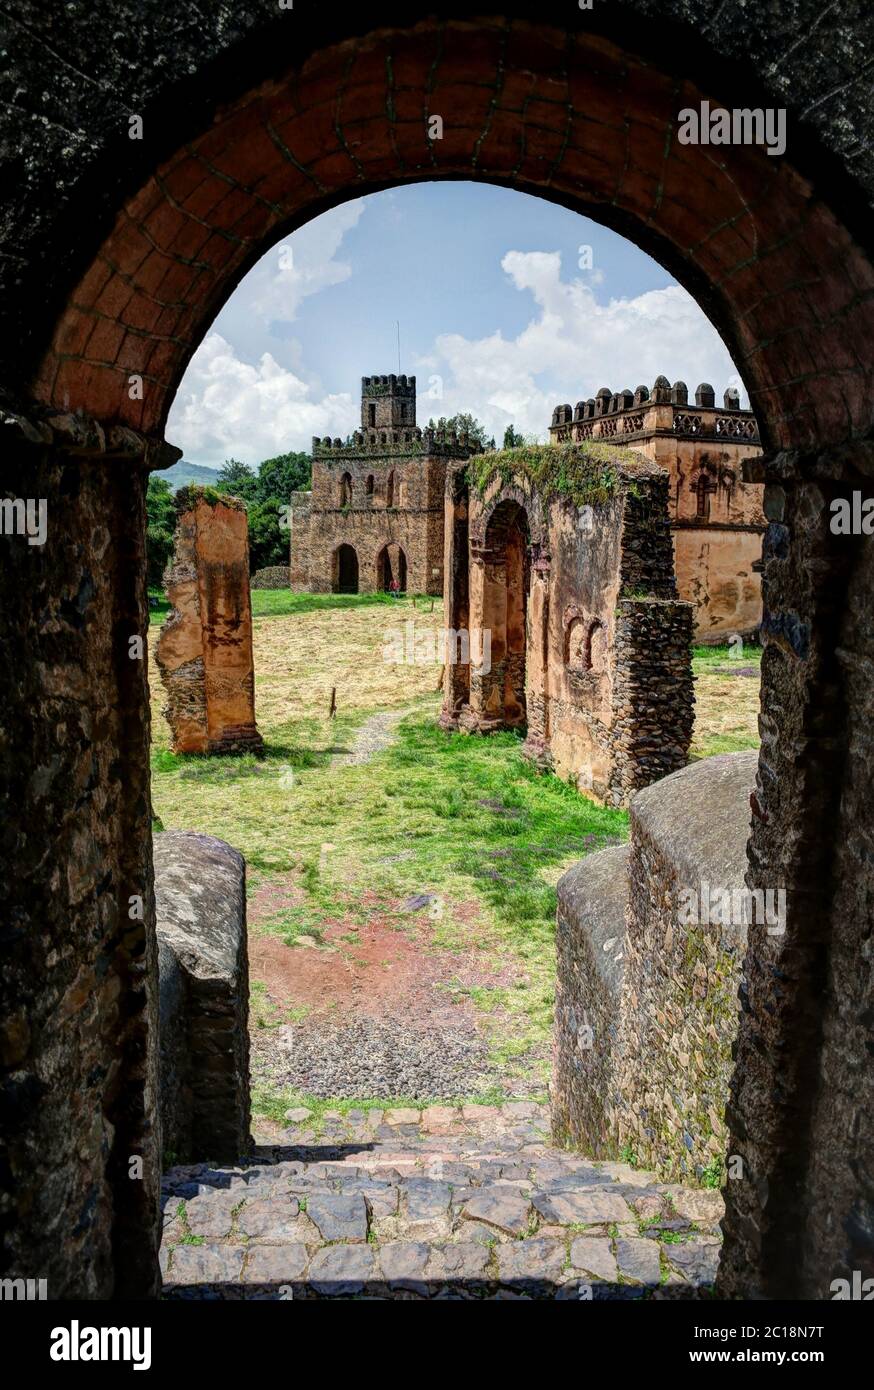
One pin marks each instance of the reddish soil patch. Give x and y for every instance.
(387, 968)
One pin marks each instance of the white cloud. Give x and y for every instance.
(237, 400)
(227, 407)
(572, 347)
(303, 264)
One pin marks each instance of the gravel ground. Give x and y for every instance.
(371, 1057)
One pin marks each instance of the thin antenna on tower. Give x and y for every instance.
(398, 322)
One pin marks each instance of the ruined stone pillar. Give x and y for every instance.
(204, 653)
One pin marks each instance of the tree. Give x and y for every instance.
(161, 519)
(268, 540)
(462, 423)
(283, 475)
(512, 440)
(237, 479)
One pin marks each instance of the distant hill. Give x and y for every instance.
(183, 473)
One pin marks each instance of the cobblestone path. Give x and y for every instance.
(440, 1202)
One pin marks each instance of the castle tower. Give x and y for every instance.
(388, 402)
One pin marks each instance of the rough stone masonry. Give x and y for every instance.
(204, 653)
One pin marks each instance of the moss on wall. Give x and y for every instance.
(587, 472)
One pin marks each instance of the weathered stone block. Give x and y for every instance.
(651, 939)
(200, 896)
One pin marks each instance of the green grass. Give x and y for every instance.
(705, 658)
(273, 1105)
(279, 603)
(463, 818)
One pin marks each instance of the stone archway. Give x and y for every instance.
(344, 570)
(391, 565)
(111, 287)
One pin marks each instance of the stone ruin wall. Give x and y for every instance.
(204, 651)
(273, 577)
(660, 996)
(607, 683)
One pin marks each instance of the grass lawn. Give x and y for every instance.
(333, 847)
(726, 700)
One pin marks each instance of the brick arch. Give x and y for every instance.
(576, 118)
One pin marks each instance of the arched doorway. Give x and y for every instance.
(391, 564)
(505, 587)
(775, 248)
(344, 570)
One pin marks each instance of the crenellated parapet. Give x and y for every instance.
(385, 443)
(663, 410)
(390, 385)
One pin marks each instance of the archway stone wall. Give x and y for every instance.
(119, 254)
(537, 562)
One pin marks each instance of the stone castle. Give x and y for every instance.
(717, 520)
(375, 513)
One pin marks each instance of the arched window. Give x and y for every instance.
(704, 488)
(346, 490)
(390, 490)
(368, 485)
(371, 415)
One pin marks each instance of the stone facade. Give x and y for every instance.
(716, 518)
(203, 973)
(204, 652)
(589, 646)
(647, 1004)
(375, 512)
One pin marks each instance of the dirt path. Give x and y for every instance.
(375, 734)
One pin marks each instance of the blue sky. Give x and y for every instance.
(500, 314)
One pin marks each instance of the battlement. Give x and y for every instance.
(398, 443)
(387, 402)
(388, 386)
(664, 410)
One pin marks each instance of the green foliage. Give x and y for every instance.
(283, 475)
(161, 523)
(237, 478)
(265, 493)
(512, 439)
(464, 423)
(712, 1174)
(268, 539)
(584, 473)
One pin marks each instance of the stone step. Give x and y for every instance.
(485, 1212)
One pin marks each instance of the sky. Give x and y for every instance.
(507, 304)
